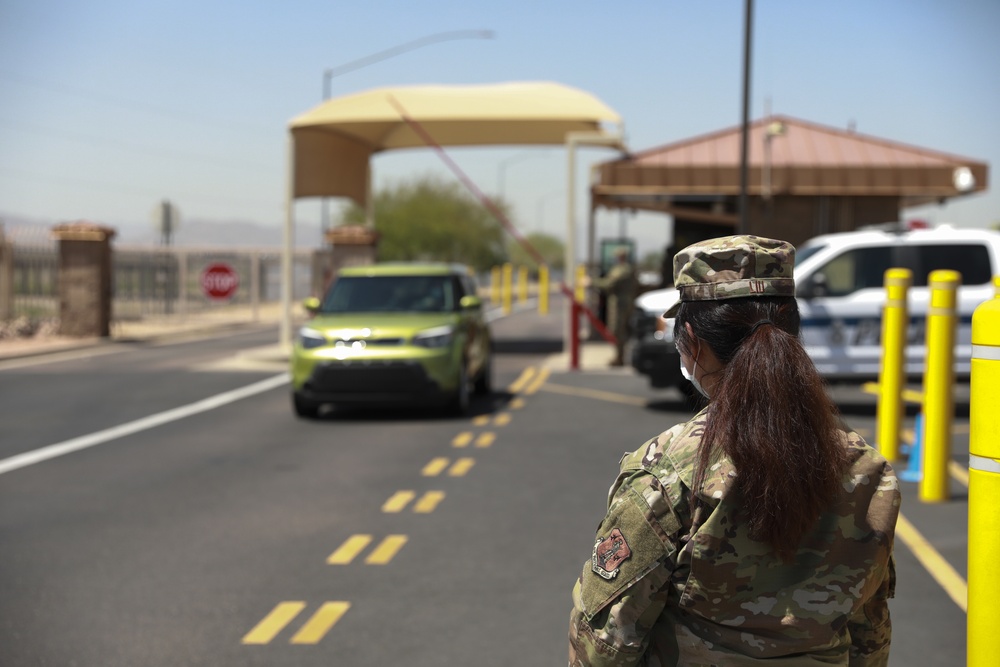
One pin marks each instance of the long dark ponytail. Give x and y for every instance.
(770, 414)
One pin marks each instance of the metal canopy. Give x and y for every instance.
(333, 143)
(330, 146)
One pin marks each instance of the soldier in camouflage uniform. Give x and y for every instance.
(619, 286)
(694, 563)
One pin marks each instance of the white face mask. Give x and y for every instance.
(691, 378)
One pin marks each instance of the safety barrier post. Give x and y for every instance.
(543, 289)
(495, 285)
(574, 335)
(895, 319)
(522, 284)
(939, 376)
(581, 283)
(508, 275)
(983, 642)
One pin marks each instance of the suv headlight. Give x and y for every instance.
(311, 338)
(436, 337)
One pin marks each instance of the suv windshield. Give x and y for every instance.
(388, 294)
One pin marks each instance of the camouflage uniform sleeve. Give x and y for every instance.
(871, 628)
(625, 585)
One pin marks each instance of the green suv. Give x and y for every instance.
(402, 334)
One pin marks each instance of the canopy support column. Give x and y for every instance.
(573, 139)
(285, 336)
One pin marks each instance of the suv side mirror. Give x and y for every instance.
(470, 302)
(814, 286)
(311, 305)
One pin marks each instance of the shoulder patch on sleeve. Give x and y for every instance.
(626, 549)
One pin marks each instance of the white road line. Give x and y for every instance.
(152, 421)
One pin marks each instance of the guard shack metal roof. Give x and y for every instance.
(786, 156)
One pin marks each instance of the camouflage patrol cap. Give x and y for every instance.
(733, 267)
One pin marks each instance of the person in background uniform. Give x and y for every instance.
(619, 286)
(762, 529)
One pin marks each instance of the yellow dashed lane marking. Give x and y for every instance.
(435, 467)
(525, 377)
(934, 563)
(398, 501)
(428, 502)
(543, 375)
(517, 403)
(502, 419)
(462, 439)
(321, 622)
(481, 420)
(354, 545)
(440, 464)
(460, 467)
(485, 439)
(387, 550)
(273, 623)
(349, 550)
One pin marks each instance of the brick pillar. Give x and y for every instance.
(350, 245)
(84, 278)
(6, 278)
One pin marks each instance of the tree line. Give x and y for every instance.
(428, 219)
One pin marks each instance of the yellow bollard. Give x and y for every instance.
(543, 289)
(508, 271)
(983, 643)
(895, 320)
(581, 287)
(495, 285)
(939, 376)
(522, 284)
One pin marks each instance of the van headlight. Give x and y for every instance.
(311, 338)
(435, 337)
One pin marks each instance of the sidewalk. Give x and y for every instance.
(158, 327)
(594, 355)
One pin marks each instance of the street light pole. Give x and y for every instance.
(331, 72)
(744, 139)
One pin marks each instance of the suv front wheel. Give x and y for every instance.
(304, 407)
(460, 399)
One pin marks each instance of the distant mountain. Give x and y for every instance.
(191, 233)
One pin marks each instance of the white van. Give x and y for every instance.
(839, 284)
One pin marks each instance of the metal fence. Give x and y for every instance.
(152, 281)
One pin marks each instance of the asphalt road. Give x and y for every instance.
(238, 534)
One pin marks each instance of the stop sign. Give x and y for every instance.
(219, 281)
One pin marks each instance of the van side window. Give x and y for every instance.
(971, 260)
(856, 269)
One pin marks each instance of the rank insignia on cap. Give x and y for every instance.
(609, 553)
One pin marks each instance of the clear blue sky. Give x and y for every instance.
(109, 106)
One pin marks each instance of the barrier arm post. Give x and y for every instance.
(508, 276)
(543, 289)
(495, 285)
(895, 319)
(984, 486)
(939, 376)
